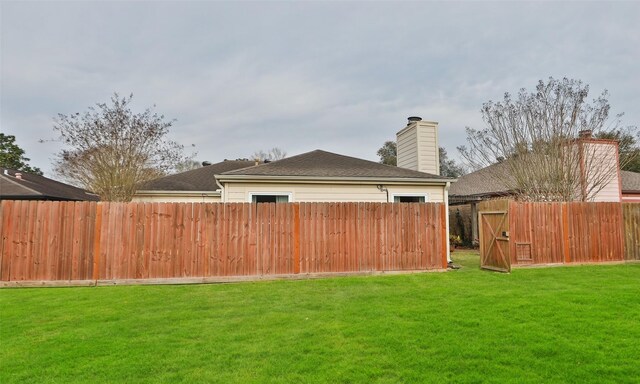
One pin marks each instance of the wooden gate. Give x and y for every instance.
(494, 241)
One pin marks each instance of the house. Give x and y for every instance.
(197, 185)
(490, 183)
(317, 176)
(630, 187)
(17, 185)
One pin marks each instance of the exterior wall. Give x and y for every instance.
(417, 146)
(241, 192)
(601, 167)
(176, 198)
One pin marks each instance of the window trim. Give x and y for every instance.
(394, 195)
(288, 194)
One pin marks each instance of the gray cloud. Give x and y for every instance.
(338, 76)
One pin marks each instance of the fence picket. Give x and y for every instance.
(49, 241)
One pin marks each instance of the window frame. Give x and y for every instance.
(252, 194)
(423, 195)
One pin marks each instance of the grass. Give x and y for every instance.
(552, 325)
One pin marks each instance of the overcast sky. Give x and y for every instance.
(337, 76)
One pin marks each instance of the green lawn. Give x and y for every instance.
(549, 325)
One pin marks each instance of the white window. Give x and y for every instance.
(269, 197)
(409, 198)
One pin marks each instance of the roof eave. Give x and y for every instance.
(178, 193)
(342, 180)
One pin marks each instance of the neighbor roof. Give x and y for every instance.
(35, 187)
(483, 182)
(200, 179)
(630, 181)
(319, 164)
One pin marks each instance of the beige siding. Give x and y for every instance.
(407, 146)
(418, 147)
(169, 198)
(601, 165)
(241, 192)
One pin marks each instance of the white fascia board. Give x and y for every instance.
(177, 193)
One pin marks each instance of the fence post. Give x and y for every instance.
(96, 242)
(565, 232)
(445, 235)
(296, 238)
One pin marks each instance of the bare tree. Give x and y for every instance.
(272, 154)
(110, 149)
(544, 139)
(187, 165)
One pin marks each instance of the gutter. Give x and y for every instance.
(172, 192)
(169, 193)
(331, 180)
(221, 189)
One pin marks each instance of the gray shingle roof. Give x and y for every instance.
(36, 187)
(484, 182)
(200, 179)
(326, 164)
(630, 181)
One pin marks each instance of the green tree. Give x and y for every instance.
(12, 156)
(110, 149)
(388, 154)
(448, 167)
(627, 146)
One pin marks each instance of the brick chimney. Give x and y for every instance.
(417, 145)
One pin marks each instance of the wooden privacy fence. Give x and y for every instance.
(518, 233)
(631, 217)
(80, 241)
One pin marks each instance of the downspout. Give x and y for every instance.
(381, 188)
(223, 195)
(446, 204)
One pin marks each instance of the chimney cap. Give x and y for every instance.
(414, 119)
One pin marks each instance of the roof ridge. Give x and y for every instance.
(323, 163)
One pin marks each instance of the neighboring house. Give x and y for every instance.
(630, 186)
(17, 185)
(317, 176)
(489, 183)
